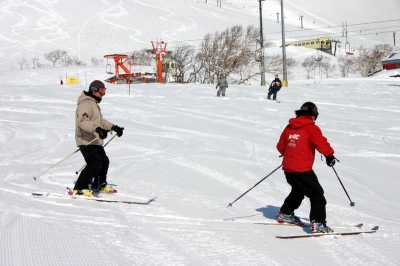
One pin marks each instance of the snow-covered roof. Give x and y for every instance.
(391, 57)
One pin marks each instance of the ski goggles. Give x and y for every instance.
(102, 91)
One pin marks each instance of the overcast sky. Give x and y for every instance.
(358, 11)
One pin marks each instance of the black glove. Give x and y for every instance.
(330, 160)
(119, 130)
(102, 132)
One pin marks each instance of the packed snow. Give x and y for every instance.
(197, 153)
(192, 150)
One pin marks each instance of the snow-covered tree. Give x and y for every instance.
(142, 57)
(225, 52)
(369, 60)
(96, 61)
(22, 62)
(55, 56)
(326, 65)
(346, 64)
(309, 64)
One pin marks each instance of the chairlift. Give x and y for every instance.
(257, 55)
(348, 52)
(319, 55)
(108, 68)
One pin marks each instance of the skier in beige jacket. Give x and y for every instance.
(90, 125)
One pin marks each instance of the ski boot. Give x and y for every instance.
(107, 189)
(288, 218)
(82, 192)
(320, 228)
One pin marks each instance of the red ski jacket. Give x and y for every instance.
(298, 142)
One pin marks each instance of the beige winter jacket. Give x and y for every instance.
(87, 118)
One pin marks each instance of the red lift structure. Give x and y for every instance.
(119, 60)
(159, 49)
(123, 74)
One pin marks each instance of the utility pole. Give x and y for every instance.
(277, 17)
(262, 70)
(394, 38)
(301, 18)
(284, 81)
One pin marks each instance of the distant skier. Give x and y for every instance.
(297, 144)
(61, 82)
(222, 84)
(89, 125)
(275, 86)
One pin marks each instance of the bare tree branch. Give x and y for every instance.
(55, 56)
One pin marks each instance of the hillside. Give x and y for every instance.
(33, 28)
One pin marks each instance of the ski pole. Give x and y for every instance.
(352, 203)
(103, 147)
(42, 173)
(230, 204)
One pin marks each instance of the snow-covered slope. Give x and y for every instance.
(192, 150)
(196, 153)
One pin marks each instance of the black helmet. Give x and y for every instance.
(308, 108)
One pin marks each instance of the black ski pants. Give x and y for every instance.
(96, 167)
(272, 92)
(305, 184)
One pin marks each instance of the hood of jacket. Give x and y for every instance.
(300, 121)
(88, 96)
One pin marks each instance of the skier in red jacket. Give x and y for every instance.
(297, 145)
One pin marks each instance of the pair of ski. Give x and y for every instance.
(340, 233)
(100, 199)
(274, 100)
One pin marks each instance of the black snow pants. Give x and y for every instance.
(96, 167)
(305, 184)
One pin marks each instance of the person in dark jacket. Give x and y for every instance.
(275, 86)
(91, 128)
(297, 145)
(222, 84)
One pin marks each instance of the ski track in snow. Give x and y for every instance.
(196, 153)
(192, 150)
(27, 239)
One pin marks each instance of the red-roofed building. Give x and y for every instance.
(391, 62)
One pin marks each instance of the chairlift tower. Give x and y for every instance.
(394, 38)
(285, 80)
(301, 18)
(262, 47)
(336, 42)
(318, 78)
(159, 49)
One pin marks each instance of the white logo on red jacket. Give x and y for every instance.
(292, 139)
